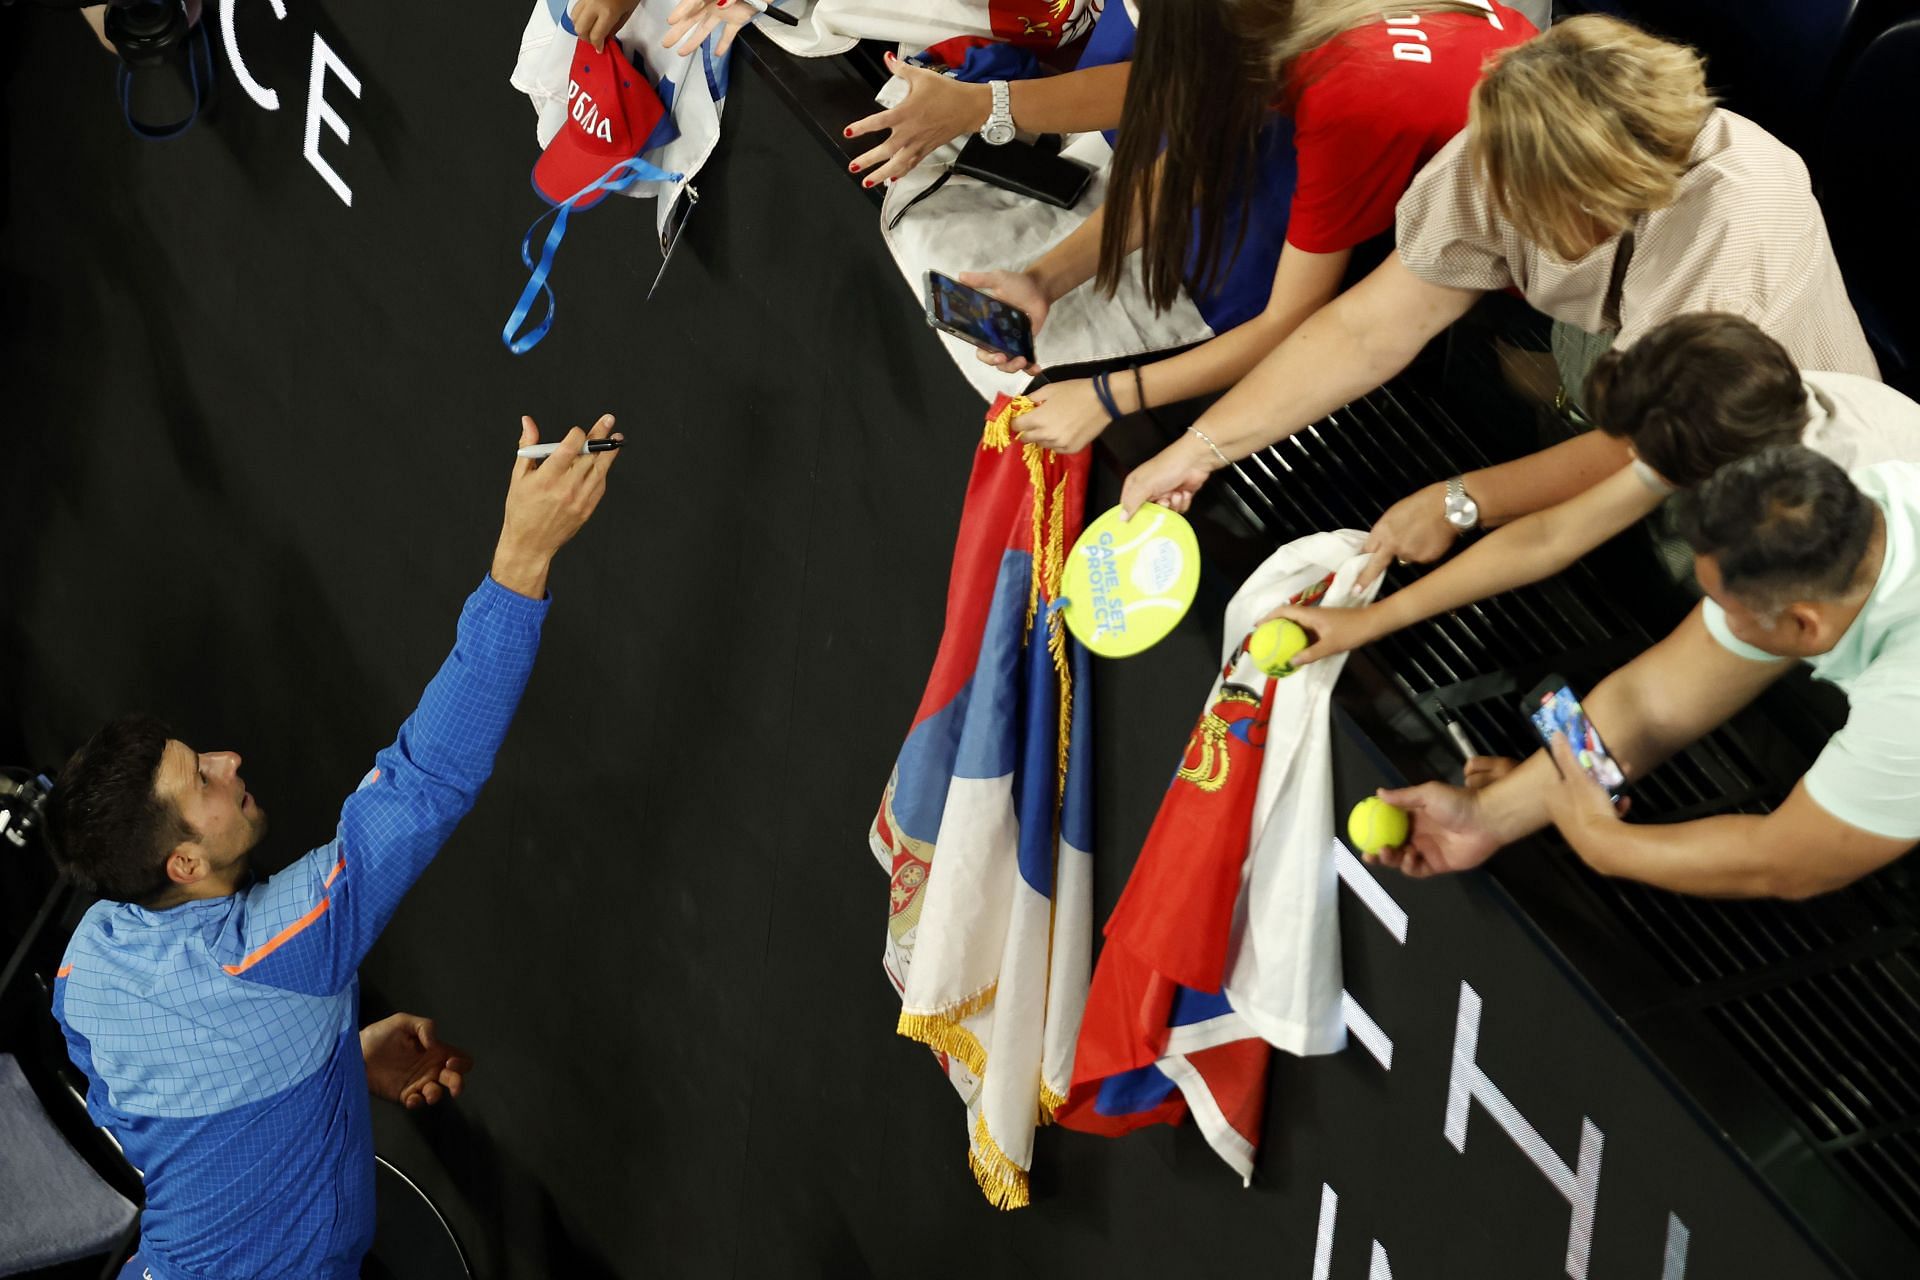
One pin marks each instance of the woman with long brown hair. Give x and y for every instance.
(1599, 179)
(1261, 145)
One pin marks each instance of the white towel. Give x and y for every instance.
(1283, 971)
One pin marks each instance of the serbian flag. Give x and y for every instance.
(1225, 942)
(989, 943)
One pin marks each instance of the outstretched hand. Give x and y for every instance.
(1576, 803)
(547, 503)
(1414, 530)
(408, 1064)
(1066, 417)
(1483, 771)
(1016, 289)
(692, 21)
(1448, 831)
(936, 110)
(1334, 629)
(1170, 478)
(597, 20)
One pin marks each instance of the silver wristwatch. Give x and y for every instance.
(998, 130)
(1463, 513)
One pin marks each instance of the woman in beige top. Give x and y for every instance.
(1598, 178)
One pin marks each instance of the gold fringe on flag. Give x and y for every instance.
(1050, 1103)
(1003, 1181)
(1049, 560)
(941, 1031)
(945, 1035)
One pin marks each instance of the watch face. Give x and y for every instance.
(1464, 514)
(998, 134)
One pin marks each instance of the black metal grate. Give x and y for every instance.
(1821, 998)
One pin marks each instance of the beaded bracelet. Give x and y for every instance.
(1208, 440)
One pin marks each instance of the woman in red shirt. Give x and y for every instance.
(1372, 91)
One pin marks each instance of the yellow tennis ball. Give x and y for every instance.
(1375, 825)
(1273, 644)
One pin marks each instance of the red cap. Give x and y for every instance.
(611, 111)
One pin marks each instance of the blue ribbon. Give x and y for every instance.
(199, 49)
(618, 178)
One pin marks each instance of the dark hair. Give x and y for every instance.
(1782, 525)
(1205, 75)
(1196, 98)
(1698, 392)
(108, 827)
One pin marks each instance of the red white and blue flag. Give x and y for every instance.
(1225, 943)
(985, 826)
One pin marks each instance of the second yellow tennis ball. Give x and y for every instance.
(1273, 644)
(1375, 825)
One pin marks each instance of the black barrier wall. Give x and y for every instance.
(258, 439)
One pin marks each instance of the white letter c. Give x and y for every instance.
(266, 97)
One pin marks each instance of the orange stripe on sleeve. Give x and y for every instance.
(334, 874)
(282, 938)
(63, 971)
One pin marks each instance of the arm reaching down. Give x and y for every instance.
(1070, 415)
(1047, 279)
(1415, 528)
(1528, 550)
(307, 928)
(1344, 350)
(1798, 851)
(1661, 701)
(939, 109)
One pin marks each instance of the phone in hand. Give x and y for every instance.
(976, 317)
(1552, 708)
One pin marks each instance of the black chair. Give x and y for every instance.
(71, 1198)
(1870, 195)
(413, 1241)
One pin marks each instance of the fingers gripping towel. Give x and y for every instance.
(1226, 939)
(693, 91)
(984, 828)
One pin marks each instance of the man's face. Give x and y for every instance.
(1802, 630)
(207, 790)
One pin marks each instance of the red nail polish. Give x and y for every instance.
(847, 133)
(867, 182)
(853, 168)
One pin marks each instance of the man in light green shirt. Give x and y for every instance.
(1800, 562)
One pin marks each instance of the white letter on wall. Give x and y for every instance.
(1467, 1083)
(1676, 1259)
(1394, 917)
(1378, 1268)
(255, 90)
(319, 110)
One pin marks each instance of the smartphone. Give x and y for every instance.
(976, 317)
(1025, 169)
(1553, 708)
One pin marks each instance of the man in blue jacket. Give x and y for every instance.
(216, 1015)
